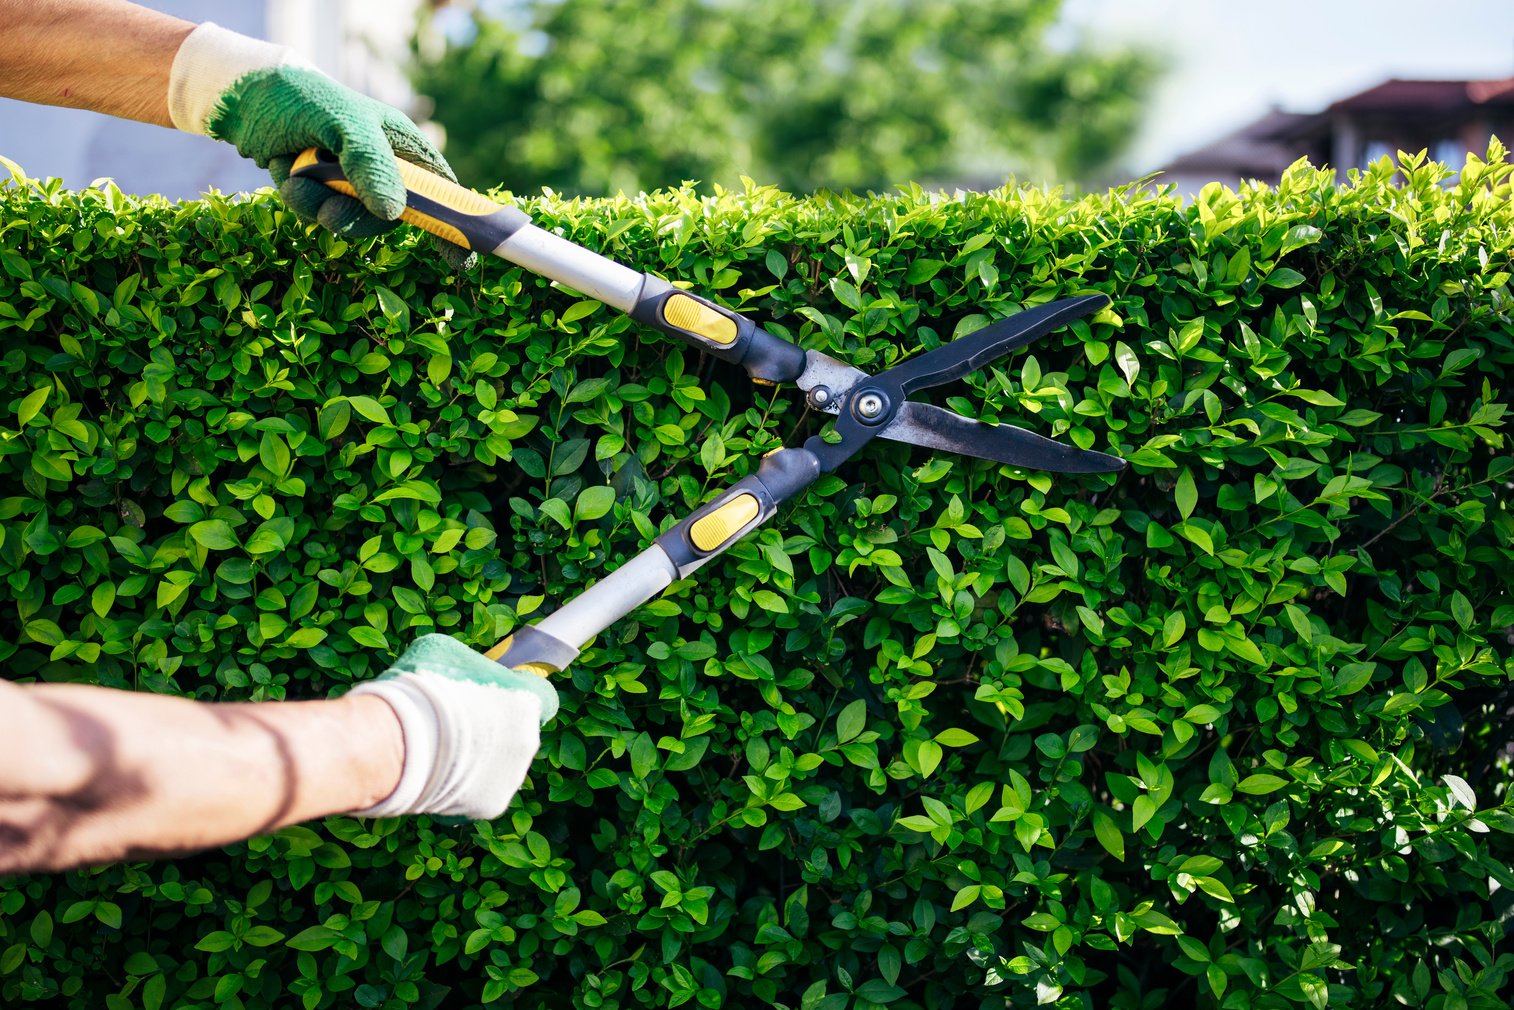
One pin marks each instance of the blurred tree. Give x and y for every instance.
(591, 96)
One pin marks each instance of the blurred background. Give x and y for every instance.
(595, 96)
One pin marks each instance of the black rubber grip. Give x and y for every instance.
(718, 524)
(727, 335)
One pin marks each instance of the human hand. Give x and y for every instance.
(262, 100)
(471, 728)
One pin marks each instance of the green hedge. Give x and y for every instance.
(1228, 729)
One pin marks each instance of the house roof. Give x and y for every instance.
(1270, 144)
(1402, 96)
(1259, 148)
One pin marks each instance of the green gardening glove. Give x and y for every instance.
(262, 100)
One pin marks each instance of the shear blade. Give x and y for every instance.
(971, 352)
(937, 428)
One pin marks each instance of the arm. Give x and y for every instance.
(89, 774)
(107, 55)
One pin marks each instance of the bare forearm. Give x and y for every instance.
(106, 55)
(115, 774)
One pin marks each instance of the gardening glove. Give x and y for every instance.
(471, 728)
(271, 105)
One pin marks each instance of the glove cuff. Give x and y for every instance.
(468, 744)
(208, 62)
(421, 729)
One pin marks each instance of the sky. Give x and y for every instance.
(1229, 63)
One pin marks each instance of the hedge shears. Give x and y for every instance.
(864, 406)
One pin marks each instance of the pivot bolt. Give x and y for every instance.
(820, 397)
(870, 406)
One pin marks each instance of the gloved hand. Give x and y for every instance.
(264, 100)
(471, 728)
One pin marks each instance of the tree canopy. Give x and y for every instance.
(594, 96)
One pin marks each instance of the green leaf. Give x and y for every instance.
(213, 534)
(580, 310)
(184, 511)
(1186, 494)
(313, 938)
(1260, 785)
(31, 403)
(875, 990)
(306, 638)
(1142, 811)
(643, 756)
(955, 737)
(918, 822)
(370, 638)
(1461, 791)
(262, 936)
(391, 304)
(929, 757)
(851, 720)
(217, 940)
(593, 502)
(1109, 835)
(1173, 628)
(922, 270)
(965, 896)
(369, 408)
(1461, 609)
(42, 630)
(1299, 236)
(42, 929)
(1193, 949)
(410, 490)
(52, 467)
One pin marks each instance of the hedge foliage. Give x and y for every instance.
(1228, 729)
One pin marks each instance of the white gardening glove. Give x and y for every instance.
(471, 728)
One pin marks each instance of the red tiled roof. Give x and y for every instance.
(1427, 96)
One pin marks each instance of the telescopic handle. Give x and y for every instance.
(471, 220)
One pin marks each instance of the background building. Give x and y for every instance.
(1446, 118)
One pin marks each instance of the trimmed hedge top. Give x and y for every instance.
(1228, 729)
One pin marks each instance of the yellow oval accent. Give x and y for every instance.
(498, 652)
(693, 316)
(500, 649)
(709, 532)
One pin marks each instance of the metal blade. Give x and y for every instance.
(827, 380)
(976, 349)
(927, 425)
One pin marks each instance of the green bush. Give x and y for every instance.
(1228, 729)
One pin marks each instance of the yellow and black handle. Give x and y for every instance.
(742, 507)
(473, 221)
(718, 332)
(436, 204)
(554, 642)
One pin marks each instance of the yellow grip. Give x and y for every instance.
(694, 316)
(418, 182)
(540, 669)
(447, 193)
(709, 532)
